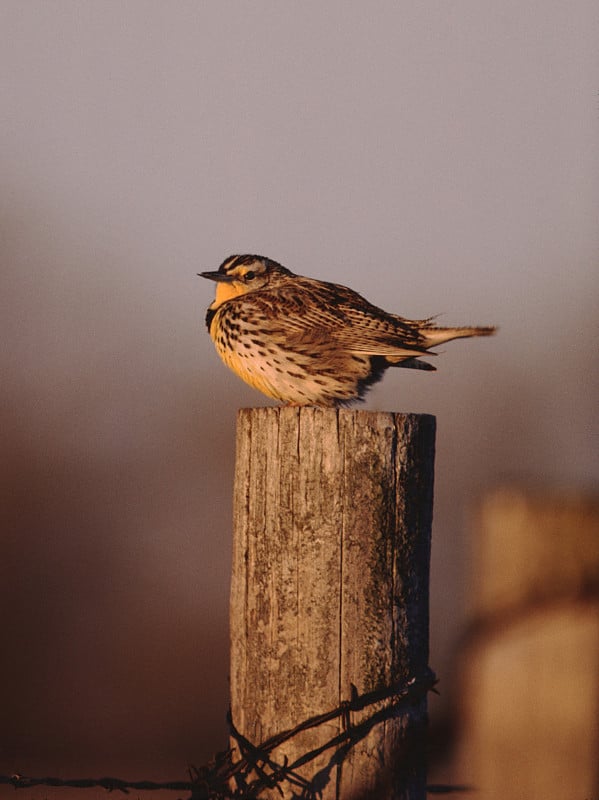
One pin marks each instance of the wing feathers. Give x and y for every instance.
(339, 316)
(332, 318)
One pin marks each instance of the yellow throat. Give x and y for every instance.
(226, 290)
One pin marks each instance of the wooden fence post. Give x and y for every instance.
(329, 595)
(530, 677)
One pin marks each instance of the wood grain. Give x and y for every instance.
(332, 526)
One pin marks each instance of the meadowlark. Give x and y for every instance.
(308, 342)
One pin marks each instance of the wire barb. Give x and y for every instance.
(256, 770)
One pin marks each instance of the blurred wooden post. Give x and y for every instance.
(531, 663)
(331, 554)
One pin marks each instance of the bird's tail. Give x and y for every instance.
(434, 336)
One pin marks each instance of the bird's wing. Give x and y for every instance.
(319, 313)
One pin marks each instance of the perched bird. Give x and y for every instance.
(308, 342)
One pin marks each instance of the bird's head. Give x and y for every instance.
(239, 275)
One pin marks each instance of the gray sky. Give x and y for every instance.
(437, 157)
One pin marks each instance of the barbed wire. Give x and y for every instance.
(256, 770)
(110, 784)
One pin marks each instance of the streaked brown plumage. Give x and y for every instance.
(307, 342)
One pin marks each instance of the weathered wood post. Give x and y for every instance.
(530, 682)
(329, 596)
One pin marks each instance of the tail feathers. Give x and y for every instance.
(435, 336)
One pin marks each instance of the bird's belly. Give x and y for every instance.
(301, 375)
(255, 371)
(271, 372)
(287, 377)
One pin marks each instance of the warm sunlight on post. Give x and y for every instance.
(329, 599)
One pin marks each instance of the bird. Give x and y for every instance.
(302, 341)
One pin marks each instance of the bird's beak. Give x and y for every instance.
(217, 276)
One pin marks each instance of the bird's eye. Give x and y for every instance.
(249, 276)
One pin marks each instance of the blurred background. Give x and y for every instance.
(439, 158)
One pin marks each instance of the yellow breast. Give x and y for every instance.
(247, 365)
